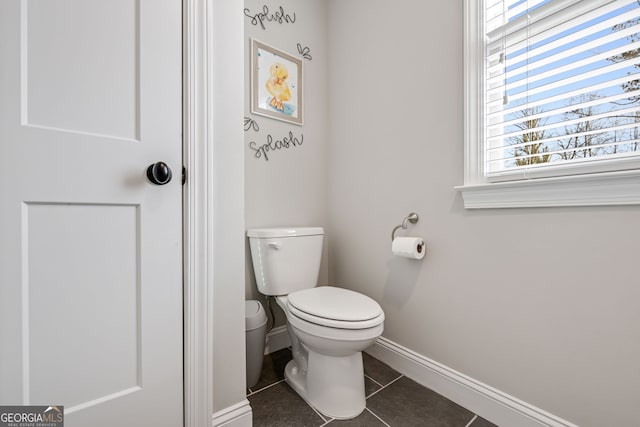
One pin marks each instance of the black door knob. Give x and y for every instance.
(159, 173)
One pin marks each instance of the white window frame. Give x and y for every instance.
(614, 187)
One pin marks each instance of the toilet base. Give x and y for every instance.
(334, 386)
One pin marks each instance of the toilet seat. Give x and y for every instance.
(335, 308)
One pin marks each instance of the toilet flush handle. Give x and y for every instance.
(274, 245)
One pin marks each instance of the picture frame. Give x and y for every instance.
(276, 83)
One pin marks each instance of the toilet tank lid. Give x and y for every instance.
(266, 233)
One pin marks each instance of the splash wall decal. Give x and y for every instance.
(289, 141)
(304, 51)
(249, 123)
(278, 17)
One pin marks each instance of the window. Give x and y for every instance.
(552, 103)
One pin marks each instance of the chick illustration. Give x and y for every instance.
(277, 86)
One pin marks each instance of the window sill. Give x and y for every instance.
(601, 189)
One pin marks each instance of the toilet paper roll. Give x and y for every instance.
(408, 247)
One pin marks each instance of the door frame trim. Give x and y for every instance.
(198, 381)
(213, 144)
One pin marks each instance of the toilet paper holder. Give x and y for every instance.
(412, 218)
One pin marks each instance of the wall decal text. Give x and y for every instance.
(249, 123)
(278, 17)
(290, 141)
(305, 52)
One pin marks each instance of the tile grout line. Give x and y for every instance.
(367, 376)
(264, 388)
(374, 414)
(325, 421)
(472, 420)
(383, 387)
(319, 414)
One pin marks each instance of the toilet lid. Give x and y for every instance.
(335, 304)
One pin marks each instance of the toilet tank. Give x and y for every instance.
(286, 260)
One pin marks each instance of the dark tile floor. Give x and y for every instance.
(393, 400)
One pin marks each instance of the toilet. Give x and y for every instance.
(329, 326)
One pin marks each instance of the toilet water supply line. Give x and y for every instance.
(273, 317)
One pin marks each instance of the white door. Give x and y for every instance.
(90, 250)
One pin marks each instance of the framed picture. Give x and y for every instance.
(276, 83)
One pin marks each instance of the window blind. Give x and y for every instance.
(562, 84)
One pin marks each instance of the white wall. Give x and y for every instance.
(542, 304)
(290, 189)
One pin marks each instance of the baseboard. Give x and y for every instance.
(238, 415)
(277, 339)
(486, 401)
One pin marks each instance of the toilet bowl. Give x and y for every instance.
(329, 326)
(326, 369)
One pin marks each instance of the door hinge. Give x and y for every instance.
(184, 175)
